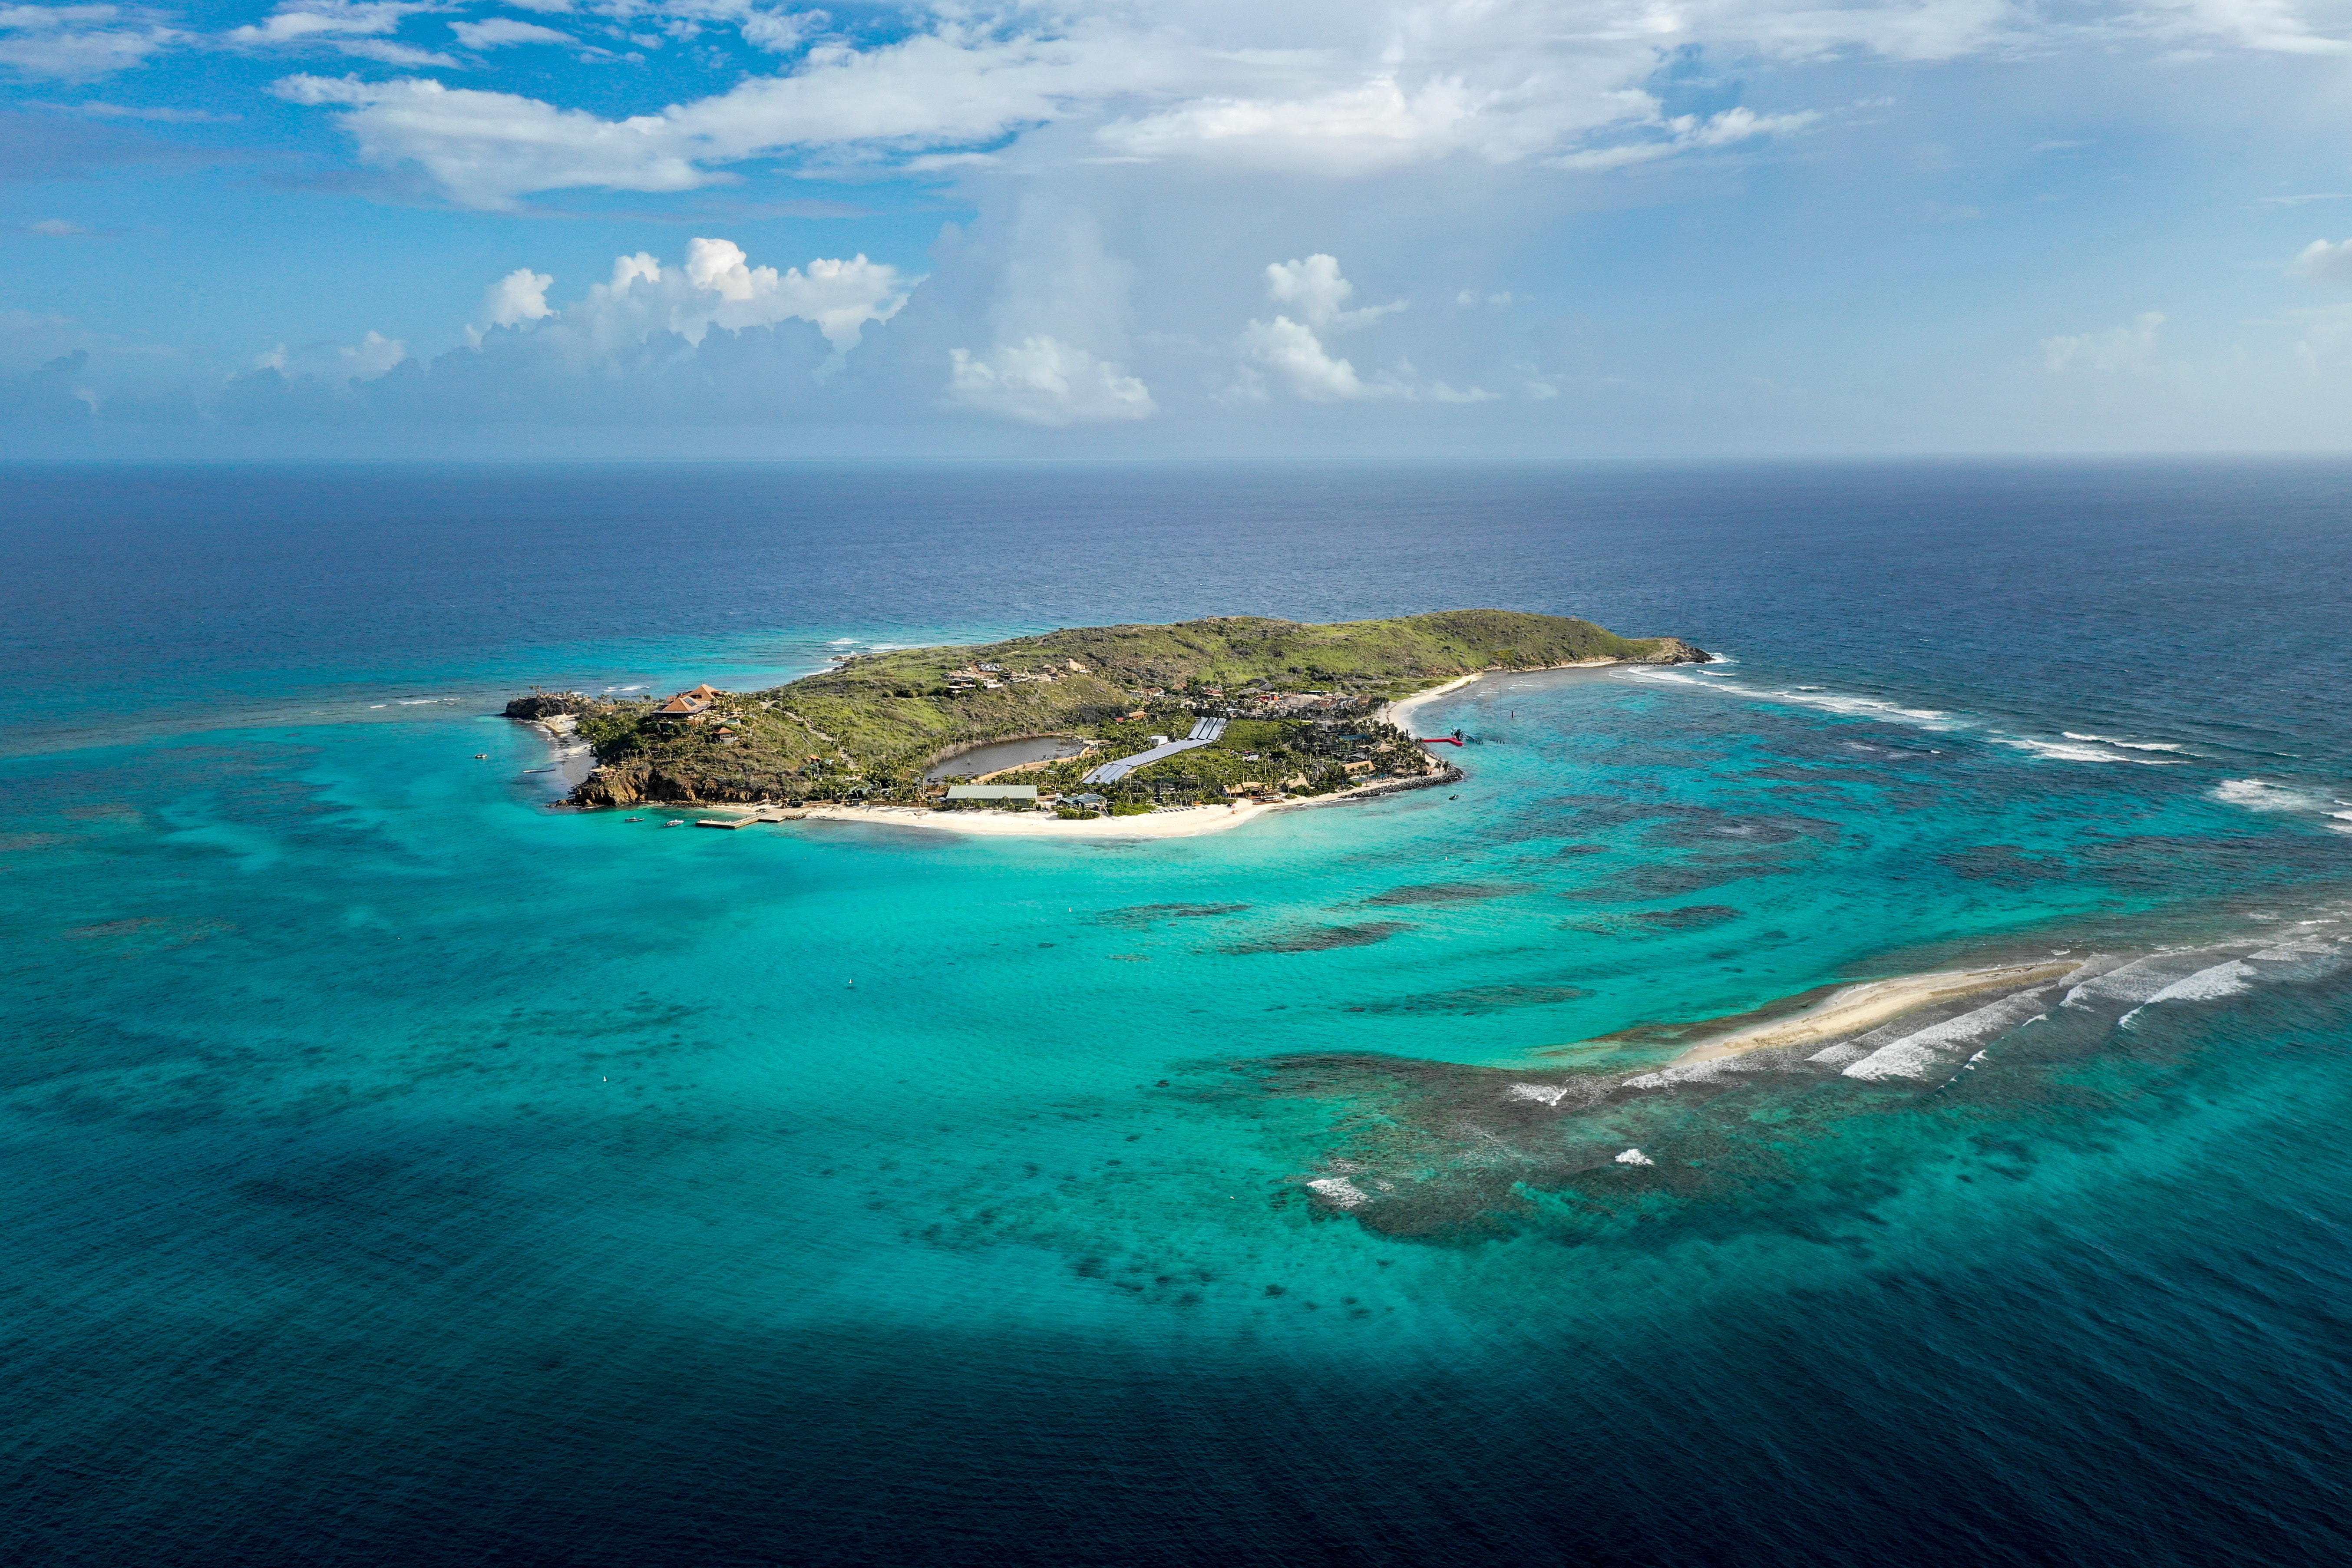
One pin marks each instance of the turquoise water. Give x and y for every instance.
(408, 1173)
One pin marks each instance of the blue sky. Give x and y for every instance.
(720, 227)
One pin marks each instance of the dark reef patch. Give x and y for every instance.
(1452, 892)
(1135, 917)
(1471, 999)
(1654, 922)
(1690, 917)
(1666, 880)
(2004, 866)
(1319, 939)
(1731, 830)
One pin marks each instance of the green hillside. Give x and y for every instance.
(874, 722)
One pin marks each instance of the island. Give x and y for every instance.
(1082, 724)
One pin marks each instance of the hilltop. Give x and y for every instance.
(870, 726)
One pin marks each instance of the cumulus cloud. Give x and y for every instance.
(711, 340)
(1316, 287)
(335, 365)
(716, 288)
(1292, 352)
(520, 296)
(1290, 355)
(1045, 381)
(79, 43)
(2129, 348)
(1058, 325)
(839, 297)
(2320, 262)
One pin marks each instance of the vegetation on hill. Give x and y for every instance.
(873, 724)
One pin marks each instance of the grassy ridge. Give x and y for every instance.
(1386, 659)
(882, 718)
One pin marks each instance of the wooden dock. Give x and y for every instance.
(764, 814)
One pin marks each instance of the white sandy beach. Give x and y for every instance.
(1183, 824)
(1399, 712)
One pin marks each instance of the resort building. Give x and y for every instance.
(688, 706)
(1027, 793)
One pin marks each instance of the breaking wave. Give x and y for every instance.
(1921, 1053)
(2126, 745)
(2072, 748)
(2260, 794)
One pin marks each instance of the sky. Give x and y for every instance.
(726, 228)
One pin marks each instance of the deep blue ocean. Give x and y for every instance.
(398, 1170)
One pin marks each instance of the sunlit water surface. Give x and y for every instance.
(401, 1172)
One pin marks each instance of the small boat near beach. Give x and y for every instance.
(675, 822)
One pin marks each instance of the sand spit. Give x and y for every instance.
(1856, 1009)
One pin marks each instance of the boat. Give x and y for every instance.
(633, 819)
(675, 822)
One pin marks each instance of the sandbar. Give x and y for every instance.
(1855, 1008)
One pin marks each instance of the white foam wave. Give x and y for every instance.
(2141, 979)
(1688, 1072)
(1340, 1192)
(1923, 1052)
(2211, 984)
(1547, 1093)
(2299, 959)
(2126, 745)
(2073, 749)
(2260, 794)
(1635, 1157)
(2058, 751)
(843, 642)
(1814, 696)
